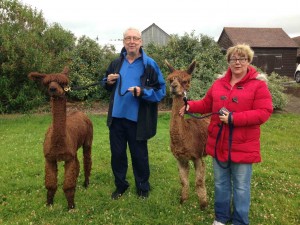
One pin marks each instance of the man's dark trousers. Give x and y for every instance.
(123, 131)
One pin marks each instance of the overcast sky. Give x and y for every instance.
(107, 19)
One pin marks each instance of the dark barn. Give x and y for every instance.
(274, 49)
(297, 40)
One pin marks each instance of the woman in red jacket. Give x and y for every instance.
(244, 101)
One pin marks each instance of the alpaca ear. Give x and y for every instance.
(171, 68)
(191, 67)
(36, 76)
(66, 71)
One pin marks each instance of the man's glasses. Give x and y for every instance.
(241, 60)
(134, 38)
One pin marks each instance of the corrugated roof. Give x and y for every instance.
(260, 37)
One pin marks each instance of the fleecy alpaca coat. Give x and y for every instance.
(250, 102)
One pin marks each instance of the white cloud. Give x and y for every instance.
(107, 19)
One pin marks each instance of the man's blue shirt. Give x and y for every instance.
(127, 106)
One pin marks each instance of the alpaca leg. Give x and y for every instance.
(183, 166)
(87, 163)
(50, 180)
(200, 182)
(71, 174)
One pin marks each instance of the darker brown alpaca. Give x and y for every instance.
(64, 137)
(188, 136)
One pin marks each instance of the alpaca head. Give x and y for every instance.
(180, 79)
(55, 83)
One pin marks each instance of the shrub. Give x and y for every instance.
(276, 88)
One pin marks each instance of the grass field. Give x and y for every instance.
(275, 183)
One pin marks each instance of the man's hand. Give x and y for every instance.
(135, 91)
(112, 78)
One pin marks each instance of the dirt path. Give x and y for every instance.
(293, 93)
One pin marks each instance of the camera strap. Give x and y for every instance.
(230, 124)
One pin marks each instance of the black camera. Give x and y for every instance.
(222, 111)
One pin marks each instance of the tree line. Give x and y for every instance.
(28, 43)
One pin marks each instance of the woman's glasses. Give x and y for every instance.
(242, 60)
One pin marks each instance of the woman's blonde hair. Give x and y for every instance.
(242, 50)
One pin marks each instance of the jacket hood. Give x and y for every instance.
(251, 74)
(123, 50)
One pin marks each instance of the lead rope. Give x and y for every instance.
(120, 86)
(229, 142)
(230, 124)
(191, 114)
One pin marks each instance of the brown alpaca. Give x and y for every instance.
(64, 137)
(188, 136)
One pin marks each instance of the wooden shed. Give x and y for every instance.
(273, 49)
(154, 34)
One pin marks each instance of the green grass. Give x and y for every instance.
(275, 182)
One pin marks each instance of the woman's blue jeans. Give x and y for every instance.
(232, 183)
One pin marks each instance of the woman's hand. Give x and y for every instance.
(225, 117)
(182, 110)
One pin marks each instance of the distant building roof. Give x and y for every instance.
(154, 25)
(259, 37)
(297, 40)
(154, 34)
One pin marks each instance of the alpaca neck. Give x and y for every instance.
(177, 121)
(59, 119)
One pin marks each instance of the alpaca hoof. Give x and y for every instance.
(49, 203)
(71, 207)
(86, 184)
(203, 205)
(182, 200)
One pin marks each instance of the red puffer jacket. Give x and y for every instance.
(251, 105)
